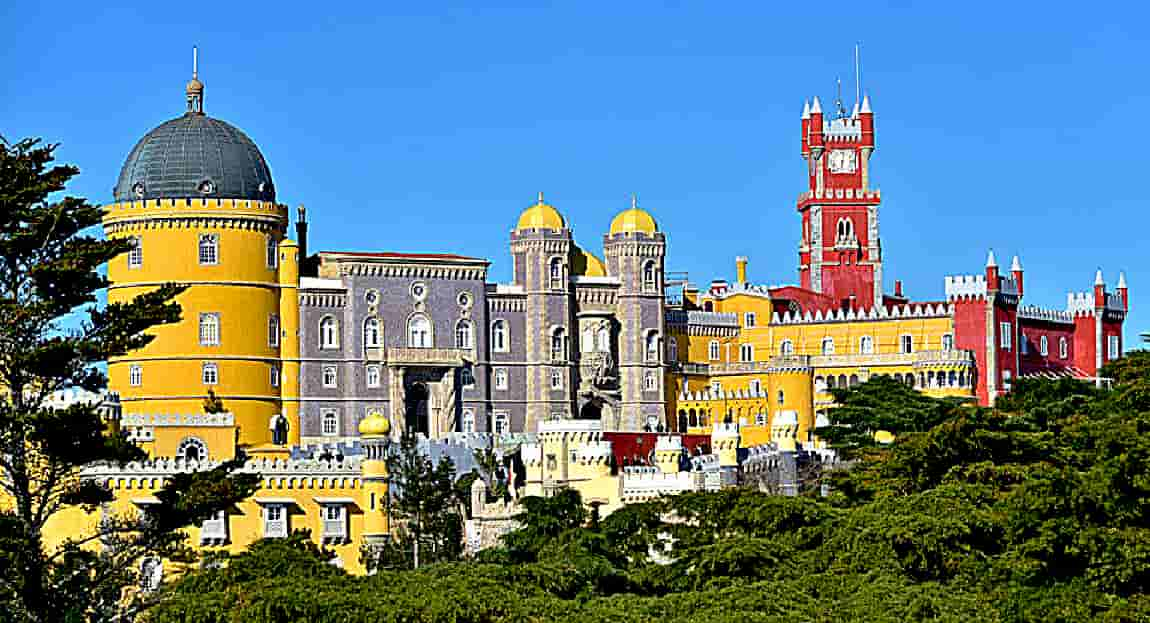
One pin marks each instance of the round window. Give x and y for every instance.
(138, 190)
(419, 290)
(207, 187)
(465, 299)
(372, 297)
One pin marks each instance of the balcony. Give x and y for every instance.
(439, 357)
(275, 528)
(335, 531)
(214, 531)
(917, 359)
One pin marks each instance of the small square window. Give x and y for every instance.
(906, 344)
(210, 374)
(749, 319)
(501, 423)
(275, 375)
(209, 249)
(135, 375)
(556, 379)
(329, 424)
(1114, 349)
(501, 378)
(330, 377)
(373, 375)
(1005, 339)
(135, 252)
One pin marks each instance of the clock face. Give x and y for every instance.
(843, 161)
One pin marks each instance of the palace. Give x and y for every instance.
(587, 370)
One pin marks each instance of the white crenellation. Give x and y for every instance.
(965, 287)
(1033, 312)
(1080, 303)
(178, 419)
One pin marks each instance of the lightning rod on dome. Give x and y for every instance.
(195, 61)
(858, 76)
(634, 201)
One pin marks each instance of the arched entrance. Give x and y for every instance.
(590, 411)
(415, 408)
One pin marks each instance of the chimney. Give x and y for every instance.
(741, 270)
(301, 231)
(898, 288)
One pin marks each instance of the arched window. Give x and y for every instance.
(649, 277)
(952, 379)
(329, 423)
(587, 343)
(135, 252)
(843, 381)
(831, 382)
(1042, 346)
(947, 341)
(559, 345)
(463, 335)
(673, 350)
(1063, 351)
(210, 329)
(419, 331)
(652, 346)
(279, 426)
(746, 353)
(820, 384)
(373, 375)
(556, 272)
(192, 449)
(209, 251)
(854, 380)
(371, 332)
(782, 397)
(328, 332)
(713, 350)
(467, 423)
(651, 381)
(866, 345)
(330, 378)
(787, 348)
(499, 336)
(828, 346)
(272, 252)
(500, 378)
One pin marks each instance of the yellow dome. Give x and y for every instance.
(633, 221)
(374, 425)
(541, 216)
(585, 264)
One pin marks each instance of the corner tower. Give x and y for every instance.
(840, 253)
(195, 197)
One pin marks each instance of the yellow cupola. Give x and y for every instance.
(633, 220)
(585, 264)
(541, 216)
(375, 425)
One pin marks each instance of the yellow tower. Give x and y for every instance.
(196, 199)
(374, 433)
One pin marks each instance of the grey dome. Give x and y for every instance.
(195, 156)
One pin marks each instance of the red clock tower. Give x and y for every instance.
(840, 254)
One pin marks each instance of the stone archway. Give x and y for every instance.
(415, 407)
(590, 411)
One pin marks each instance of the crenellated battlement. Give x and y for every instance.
(178, 419)
(964, 287)
(1032, 312)
(229, 209)
(839, 194)
(909, 310)
(277, 473)
(1080, 303)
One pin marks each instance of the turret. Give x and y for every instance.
(806, 123)
(1122, 291)
(1099, 290)
(991, 271)
(816, 125)
(1016, 272)
(374, 432)
(288, 321)
(866, 122)
(741, 270)
(668, 451)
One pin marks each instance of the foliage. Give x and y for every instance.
(1035, 511)
(52, 335)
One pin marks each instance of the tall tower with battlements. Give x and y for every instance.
(840, 253)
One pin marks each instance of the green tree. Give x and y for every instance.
(52, 333)
(425, 506)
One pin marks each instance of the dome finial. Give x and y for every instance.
(540, 197)
(634, 201)
(195, 88)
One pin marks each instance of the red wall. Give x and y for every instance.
(970, 334)
(1034, 330)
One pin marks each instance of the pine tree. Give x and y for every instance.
(52, 336)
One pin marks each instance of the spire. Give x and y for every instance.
(855, 112)
(540, 197)
(1098, 281)
(816, 108)
(1122, 280)
(195, 89)
(865, 105)
(1015, 265)
(990, 261)
(634, 201)
(806, 109)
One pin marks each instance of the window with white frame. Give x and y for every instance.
(756, 387)
(713, 350)
(1113, 349)
(501, 378)
(274, 375)
(716, 388)
(273, 330)
(135, 375)
(587, 342)
(749, 319)
(828, 346)
(652, 346)
(1023, 343)
(210, 373)
(210, 329)
(1006, 376)
(603, 339)
(214, 530)
(329, 423)
(556, 273)
(330, 377)
(371, 332)
(787, 348)
(906, 344)
(135, 252)
(1005, 339)
(419, 331)
(1063, 348)
(151, 574)
(372, 375)
(558, 345)
(1043, 346)
(499, 336)
(275, 521)
(328, 333)
(866, 345)
(464, 338)
(501, 423)
(649, 277)
(556, 379)
(272, 252)
(467, 376)
(334, 522)
(192, 449)
(650, 381)
(672, 349)
(467, 422)
(746, 352)
(209, 249)
(947, 341)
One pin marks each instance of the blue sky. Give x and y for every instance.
(428, 127)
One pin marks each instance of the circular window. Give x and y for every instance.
(372, 297)
(206, 187)
(138, 190)
(419, 290)
(465, 299)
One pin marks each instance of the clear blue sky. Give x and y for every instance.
(428, 127)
